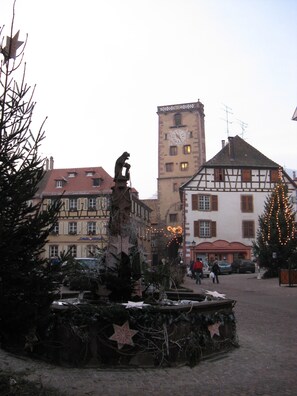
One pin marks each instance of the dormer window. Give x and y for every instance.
(71, 174)
(90, 173)
(97, 182)
(59, 183)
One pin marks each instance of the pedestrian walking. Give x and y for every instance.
(198, 270)
(215, 270)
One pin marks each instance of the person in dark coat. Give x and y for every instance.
(215, 269)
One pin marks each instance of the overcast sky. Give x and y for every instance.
(101, 68)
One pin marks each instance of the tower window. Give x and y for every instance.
(169, 167)
(187, 149)
(173, 217)
(177, 119)
(173, 150)
(184, 166)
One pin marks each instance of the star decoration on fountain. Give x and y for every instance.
(214, 329)
(215, 294)
(132, 304)
(12, 44)
(121, 244)
(123, 335)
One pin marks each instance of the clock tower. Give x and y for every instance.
(181, 151)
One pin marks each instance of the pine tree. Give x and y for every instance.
(26, 284)
(276, 243)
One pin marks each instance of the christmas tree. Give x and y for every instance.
(276, 242)
(26, 283)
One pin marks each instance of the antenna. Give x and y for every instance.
(227, 111)
(243, 127)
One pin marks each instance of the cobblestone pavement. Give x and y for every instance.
(265, 363)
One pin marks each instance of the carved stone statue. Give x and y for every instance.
(120, 165)
(120, 198)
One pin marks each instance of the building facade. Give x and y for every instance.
(224, 199)
(82, 227)
(181, 151)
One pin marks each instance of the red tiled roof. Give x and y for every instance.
(77, 181)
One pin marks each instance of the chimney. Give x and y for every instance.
(231, 148)
(51, 163)
(46, 164)
(223, 143)
(294, 175)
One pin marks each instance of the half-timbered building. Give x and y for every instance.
(82, 226)
(223, 200)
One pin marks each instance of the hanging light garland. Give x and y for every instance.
(176, 233)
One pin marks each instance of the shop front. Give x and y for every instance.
(221, 250)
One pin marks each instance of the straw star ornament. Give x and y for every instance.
(10, 49)
(123, 335)
(214, 329)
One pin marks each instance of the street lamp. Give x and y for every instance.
(193, 254)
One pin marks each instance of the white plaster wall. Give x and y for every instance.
(228, 218)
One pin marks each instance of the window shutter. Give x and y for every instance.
(247, 203)
(246, 175)
(195, 202)
(250, 204)
(243, 203)
(196, 229)
(214, 202)
(213, 229)
(274, 175)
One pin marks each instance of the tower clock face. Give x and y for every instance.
(178, 136)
